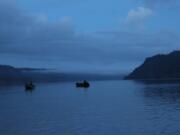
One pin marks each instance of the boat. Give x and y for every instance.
(29, 86)
(83, 84)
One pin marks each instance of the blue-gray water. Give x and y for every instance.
(106, 108)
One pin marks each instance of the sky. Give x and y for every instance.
(87, 36)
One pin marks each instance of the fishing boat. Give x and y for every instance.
(29, 86)
(83, 84)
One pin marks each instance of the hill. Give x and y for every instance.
(160, 66)
(10, 74)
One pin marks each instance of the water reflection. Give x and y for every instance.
(163, 81)
(162, 91)
(29, 91)
(161, 101)
(166, 93)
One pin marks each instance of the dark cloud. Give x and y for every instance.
(16, 26)
(12, 22)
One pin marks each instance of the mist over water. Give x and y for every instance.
(107, 107)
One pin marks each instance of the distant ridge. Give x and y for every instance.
(160, 66)
(10, 74)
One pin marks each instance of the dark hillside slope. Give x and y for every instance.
(158, 67)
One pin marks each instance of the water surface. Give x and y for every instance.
(106, 108)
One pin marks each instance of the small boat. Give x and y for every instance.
(29, 86)
(83, 84)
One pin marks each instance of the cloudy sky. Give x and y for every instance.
(94, 36)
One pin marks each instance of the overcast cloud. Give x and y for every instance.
(157, 3)
(36, 41)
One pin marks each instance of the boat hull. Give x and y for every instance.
(29, 87)
(82, 85)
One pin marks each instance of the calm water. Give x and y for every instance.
(107, 108)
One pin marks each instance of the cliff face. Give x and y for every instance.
(158, 67)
